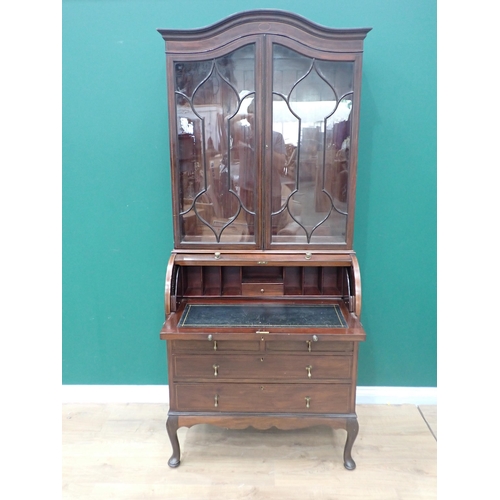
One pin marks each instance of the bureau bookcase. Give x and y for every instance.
(263, 288)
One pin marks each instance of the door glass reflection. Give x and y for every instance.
(312, 102)
(216, 204)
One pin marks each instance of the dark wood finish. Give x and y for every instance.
(258, 398)
(172, 426)
(264, 119)
(264, 367)
(203, 346)
(309, 346)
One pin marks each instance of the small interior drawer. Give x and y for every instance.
(257, 289)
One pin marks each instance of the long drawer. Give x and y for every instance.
(297, 398)
(262, 366)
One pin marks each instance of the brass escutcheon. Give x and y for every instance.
(308, 402)
(216, 370)
(309, 368)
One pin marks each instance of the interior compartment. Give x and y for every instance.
(262, 274)
(229, 281)
(212, 280)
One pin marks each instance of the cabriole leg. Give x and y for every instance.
(352, 428)
(172, 426)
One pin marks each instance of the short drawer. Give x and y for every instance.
(296, 398)
(253, 289)
(215, 345)
(262, 367)
(308, 346)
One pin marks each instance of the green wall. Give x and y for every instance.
(117, 229)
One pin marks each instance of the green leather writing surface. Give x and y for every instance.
(260, 315)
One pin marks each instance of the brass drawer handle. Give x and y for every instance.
(216, 400)
(216, 370)
(308, 402)
(309, 368)
(261, 332)
(215, 345)
(308, 342)
(217, 255)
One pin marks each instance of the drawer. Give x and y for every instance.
(261, 367)
(303, 346)
(254, 289)
(297, 398)
(215, 345)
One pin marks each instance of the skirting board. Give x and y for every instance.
(159, 394)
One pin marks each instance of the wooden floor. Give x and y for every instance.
(121, 451)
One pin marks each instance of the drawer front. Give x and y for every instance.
(215, 345)
(298, 398)
(255, 289)
(304, 346)
(261, 367)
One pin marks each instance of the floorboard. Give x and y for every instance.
(429, 413)
(121, 451)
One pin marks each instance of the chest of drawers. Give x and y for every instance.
(239, 374)
(262, 381)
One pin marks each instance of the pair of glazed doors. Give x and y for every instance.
(264, 145)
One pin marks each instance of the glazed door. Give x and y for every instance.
(309, 165)
(217, 179)
(266, 140)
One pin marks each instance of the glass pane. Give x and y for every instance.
(312, 102)
(211, 102)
